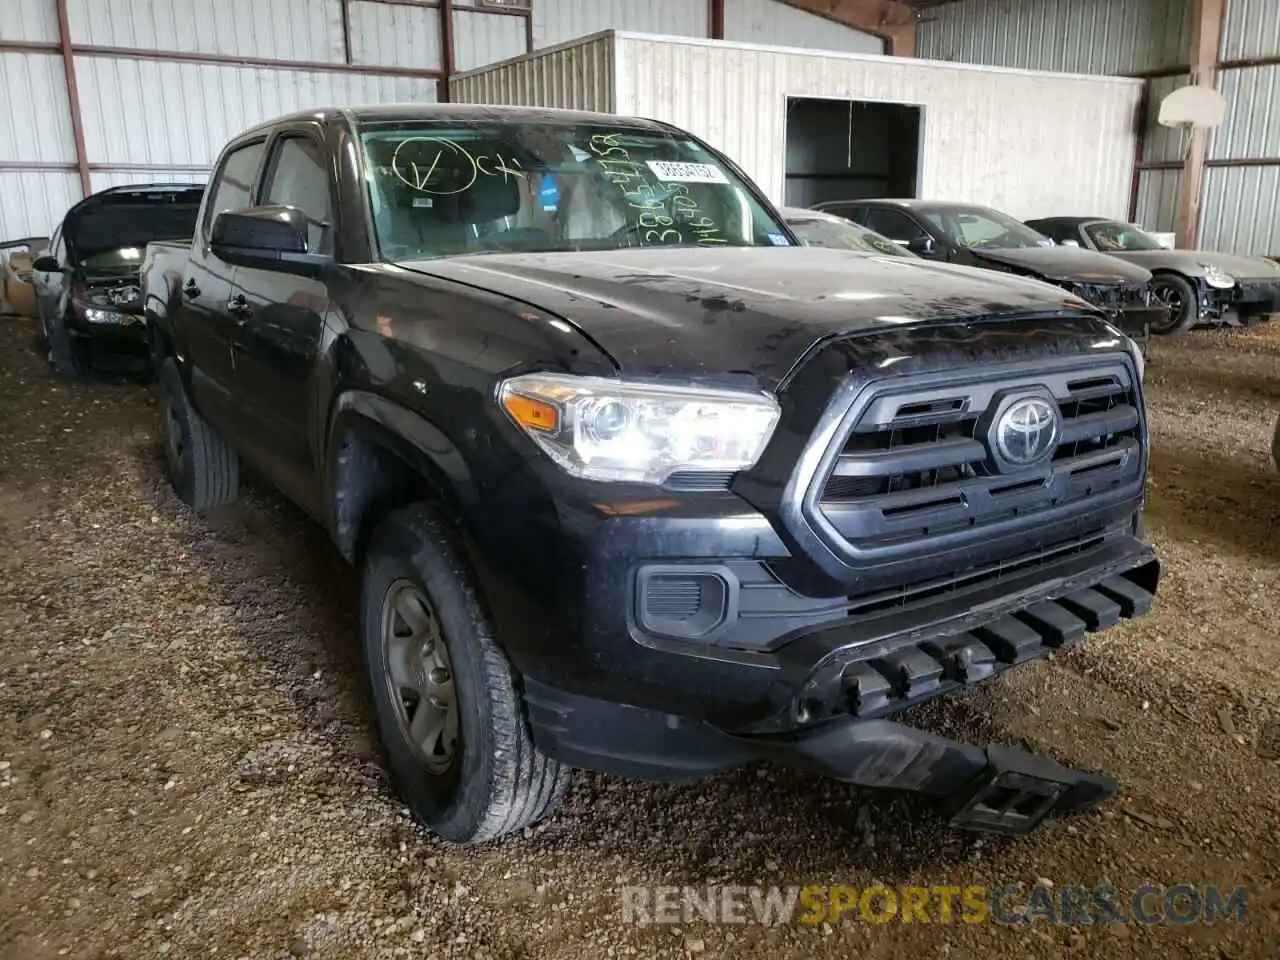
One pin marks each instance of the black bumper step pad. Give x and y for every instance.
(1133, 600)
(917, 672)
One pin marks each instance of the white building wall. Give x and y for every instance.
(768, 21)
(1025, 142)
(1028, 143)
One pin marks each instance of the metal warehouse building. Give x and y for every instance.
(106, 92)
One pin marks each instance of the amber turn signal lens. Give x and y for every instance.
(531, 414)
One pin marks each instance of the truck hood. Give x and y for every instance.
(723, 314)
(1191, 263)
(1066, 264)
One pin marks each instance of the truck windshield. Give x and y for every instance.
(438, 190)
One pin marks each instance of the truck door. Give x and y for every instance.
(282, 318)
(205, 323)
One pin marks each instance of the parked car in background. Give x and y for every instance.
(634, 481)
(86, 286)
(1198, 286)
(978, 236)
(816, 228)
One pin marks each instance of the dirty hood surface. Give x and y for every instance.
(1067, 263)
(753, 311)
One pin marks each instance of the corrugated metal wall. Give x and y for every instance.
(1251, 30)
(480, 38)
(162, 85)
(1241, 206)
(1078, 36)
(767, 21)
(1082, 36)
(572, 76)
(35, 126)
(1238, 209)
(558, 21)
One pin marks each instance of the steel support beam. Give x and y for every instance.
(1206, 37)
(73, 97)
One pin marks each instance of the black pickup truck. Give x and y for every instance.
(634, 481)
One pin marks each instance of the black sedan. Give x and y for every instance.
(87, 284)
(1199, 286)
(978, 236)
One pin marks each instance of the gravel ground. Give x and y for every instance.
(186, 767)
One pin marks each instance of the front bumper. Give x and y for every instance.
(114, 325)
(1253, 297)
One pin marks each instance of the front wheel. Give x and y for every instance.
(1179, 296)
(449, 713)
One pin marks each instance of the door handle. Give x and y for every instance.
(190, 290)
(238, 306)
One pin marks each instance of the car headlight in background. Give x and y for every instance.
(98, 315)
(1217, 278)
(602, 429)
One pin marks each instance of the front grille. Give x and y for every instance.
(916, 461)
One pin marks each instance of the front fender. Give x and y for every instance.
(384, 424)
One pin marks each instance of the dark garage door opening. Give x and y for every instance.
(850, 150)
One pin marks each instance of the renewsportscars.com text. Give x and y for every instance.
(1007, 903)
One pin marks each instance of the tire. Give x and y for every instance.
(1170, 287)
(204, 470)
(494, 781)
(66, 355)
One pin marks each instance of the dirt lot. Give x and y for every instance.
(186, 768)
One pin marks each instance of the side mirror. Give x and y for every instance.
(1068, 243)
(46, 264)
(923, 246)
(269, 238)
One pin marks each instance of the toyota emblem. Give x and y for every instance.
(1027, 432)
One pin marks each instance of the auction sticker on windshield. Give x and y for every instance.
(672, 172)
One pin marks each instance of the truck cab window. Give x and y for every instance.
(298, 178)
(233, 185)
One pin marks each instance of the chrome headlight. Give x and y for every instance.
(602, 429)
(1216, 277)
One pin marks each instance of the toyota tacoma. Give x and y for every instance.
(634, 481)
